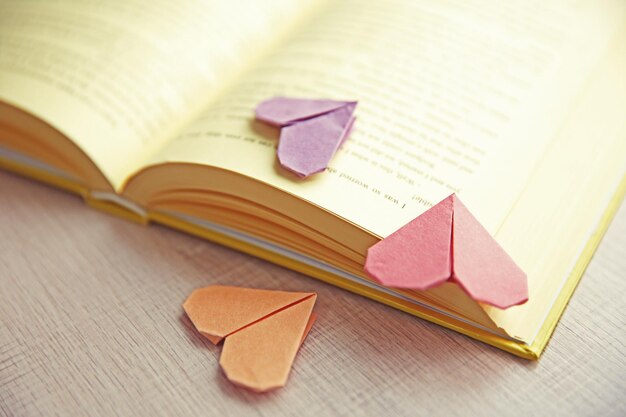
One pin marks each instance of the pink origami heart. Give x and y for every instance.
(447, 243)
(311, 130)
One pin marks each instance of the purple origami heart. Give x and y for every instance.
(311, 130)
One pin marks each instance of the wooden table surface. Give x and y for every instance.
(91, 324)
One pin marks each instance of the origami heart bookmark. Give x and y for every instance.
(262, 330)
(311, 130)
(447, 243)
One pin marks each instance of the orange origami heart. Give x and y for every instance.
(263, 330)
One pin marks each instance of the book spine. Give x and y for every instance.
(117, 208)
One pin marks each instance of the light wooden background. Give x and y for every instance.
(91, 324)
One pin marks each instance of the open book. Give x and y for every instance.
(146, 109)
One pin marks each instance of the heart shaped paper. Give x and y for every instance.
(262, 330)
(311, 130)
(447, 243)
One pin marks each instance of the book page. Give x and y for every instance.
(119, 77)
(570, 199)
(449, 93)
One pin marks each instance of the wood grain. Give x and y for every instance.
(91, 324)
